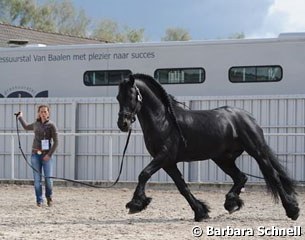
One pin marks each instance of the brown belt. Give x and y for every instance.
(39, 152)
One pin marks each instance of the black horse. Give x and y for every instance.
(173, 134)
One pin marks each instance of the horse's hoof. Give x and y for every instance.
(201, 218)
(137, 205)
(133, 211)
(293, 213)
(133, 208)
(233, 203)
(202, 211)
(234, 209)
(295, 217)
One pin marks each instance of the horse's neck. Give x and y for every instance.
(152, 111)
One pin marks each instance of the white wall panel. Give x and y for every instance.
(87, 157)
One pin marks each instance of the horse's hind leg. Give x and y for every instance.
(200, 209)
(277, 180)
(276, 177)
(233, 202)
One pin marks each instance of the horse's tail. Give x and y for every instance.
(276, 177)
(288, 184)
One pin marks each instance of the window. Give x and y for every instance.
(255, 74)
(103, 78)
(180, 75)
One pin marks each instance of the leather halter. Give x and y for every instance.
(132, 115)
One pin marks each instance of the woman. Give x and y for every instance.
(44, 144)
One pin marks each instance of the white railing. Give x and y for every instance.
(13, 137)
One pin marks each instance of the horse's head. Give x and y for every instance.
(130, 101)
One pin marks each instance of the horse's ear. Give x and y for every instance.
(131, 79)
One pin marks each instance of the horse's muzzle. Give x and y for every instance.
(124, 124)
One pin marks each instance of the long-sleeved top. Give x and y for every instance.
(42, 131)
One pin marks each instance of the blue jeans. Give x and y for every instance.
(38, 163)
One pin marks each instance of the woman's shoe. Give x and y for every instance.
(49, 201)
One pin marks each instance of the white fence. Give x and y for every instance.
(91, 145)
(16, 157)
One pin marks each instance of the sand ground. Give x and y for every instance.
(88, 213)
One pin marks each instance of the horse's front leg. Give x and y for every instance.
(201, 209)
(139, 201)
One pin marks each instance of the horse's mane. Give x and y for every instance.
(167, 99)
